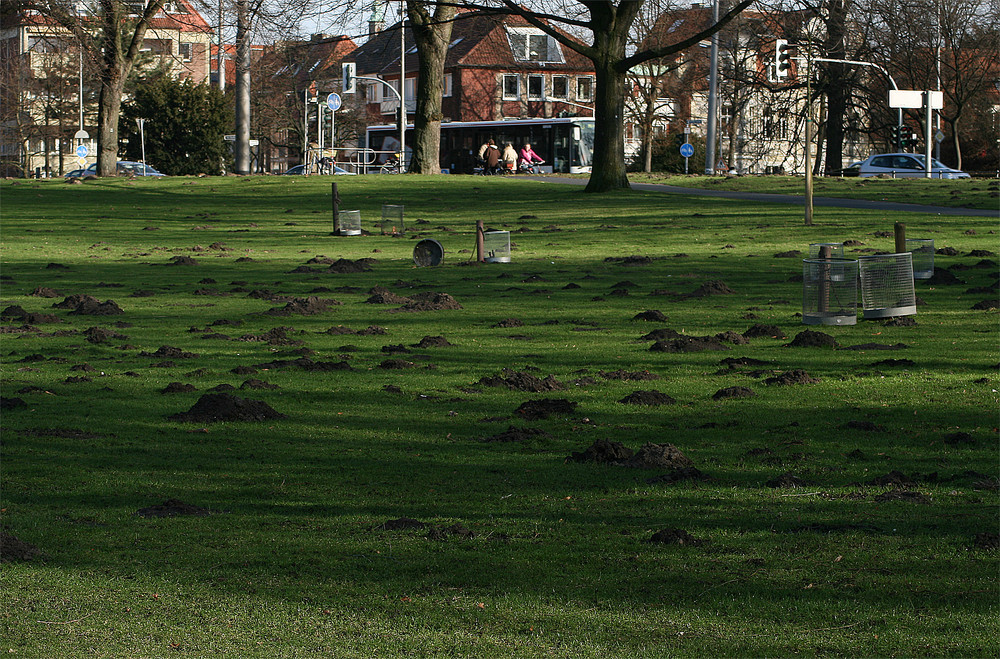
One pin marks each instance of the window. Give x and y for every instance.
(584, 88)
(529, 44)
(185, 50)
(447, 85)
(536, 88)
(511, 87)
(560, 86)
(373, 93)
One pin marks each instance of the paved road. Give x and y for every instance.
(833, 202)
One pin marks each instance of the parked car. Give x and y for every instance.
(298, 170)
(125, 168)
(905, 165)
(851, 170)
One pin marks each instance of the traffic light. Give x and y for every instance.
(782, 58)
(897, 137)
(349, 75)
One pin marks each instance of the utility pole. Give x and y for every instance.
(242, 88)
(220, 60)
(713, 93)
(402, 85)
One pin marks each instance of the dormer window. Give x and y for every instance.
(529, 44)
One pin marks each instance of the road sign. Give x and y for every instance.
(914, 98)
(229, 138)
(82, 151)
(939, 136)
(687, 150)
(81, 161)
(333, 102)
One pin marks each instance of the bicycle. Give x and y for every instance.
(391, 166)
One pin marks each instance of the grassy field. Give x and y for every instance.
(965, 193)
(851, 516)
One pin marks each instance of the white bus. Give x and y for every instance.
(566, 144)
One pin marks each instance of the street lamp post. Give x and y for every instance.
(142, 140)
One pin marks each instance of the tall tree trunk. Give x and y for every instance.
(838, 85)
(432, 34)
(109, 105)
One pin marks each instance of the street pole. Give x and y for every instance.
(242, 88)
(713, 92)
(305, 130)
(142, 139)
(809, 177)
(402, 85)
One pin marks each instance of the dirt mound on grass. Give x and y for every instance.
(714, 287)
(509, 323)
(688, 344)
(534, 410)
(100, 335)
(795, 376)
(651, 314)
(169, 352)
(663, 334)
(173, 508)
(178, 388)
(813, 339)
(942, 277)
(303, 363)
(429, 302)
(433, 342)
(521, 381)
(211, 408)
(14, 549)
(42, 291)
(347, 266)
(382, 295)
(651, 398)
(396, 364)
(629, 376)
(303, 306)
(675, 537)
(515, 434)
(603, 451)
(760, 331)
(88, 305)
(733, 392)
(986, 540)
(650, 456)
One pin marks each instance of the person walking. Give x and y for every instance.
(491, 159)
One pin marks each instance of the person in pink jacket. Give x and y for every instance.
(528, 158)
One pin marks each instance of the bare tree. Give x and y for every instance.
(432, 33)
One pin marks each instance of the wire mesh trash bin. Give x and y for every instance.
(392, 219)
(829, 292)
(428, 252)
(496, 246)
(922, 250)
(350, 223)
(887, 285)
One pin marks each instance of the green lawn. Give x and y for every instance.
(522, 553)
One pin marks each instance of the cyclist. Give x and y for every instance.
(528, 158)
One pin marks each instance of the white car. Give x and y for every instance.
(905, 165)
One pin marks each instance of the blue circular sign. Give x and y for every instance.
(687, 150)
(333, 102)
(81, 151)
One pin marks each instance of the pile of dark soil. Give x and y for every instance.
(946, 251)
(629, 376)
(787, 479)
(173, 508)
(227, 407)
(440, 533)
(277, 336)
(675, 537)
(759, 331)
(8, 403)
(942, 277)
(651, 398)
(521, 381)
(181, 260)
(347, 266)
(303, 306)
(677, 476)
(894, 363)
(903, 495)
(433, 342)
(901, 321)
(986, 540)
(14, 549)
(986, 305)
(795, 376)
(303, 363)
(688, 344)
(514, 434)
(534, 410)
(735, 338)
(400, 524)
(663, 334)
(733, 362)
(396, 364)
(812, 339)
(87, 305)
(169, 352)
(178, 388)
(99, 335)
(634, 260)
(790, 254)
(957, 438)
(733, 392)
(429, 302)
(509, 322)
(714, 287)
(396, 348)
(382, 295)
(42, 291)
(371, 330)
(603, 451)
(651, 314)
(896, 479)
(658, 456)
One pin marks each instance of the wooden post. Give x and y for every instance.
(824, 279)
(336, 210)
(900, 230)
(480, 239)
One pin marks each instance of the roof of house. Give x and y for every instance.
(305, 61)
(477, 41)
